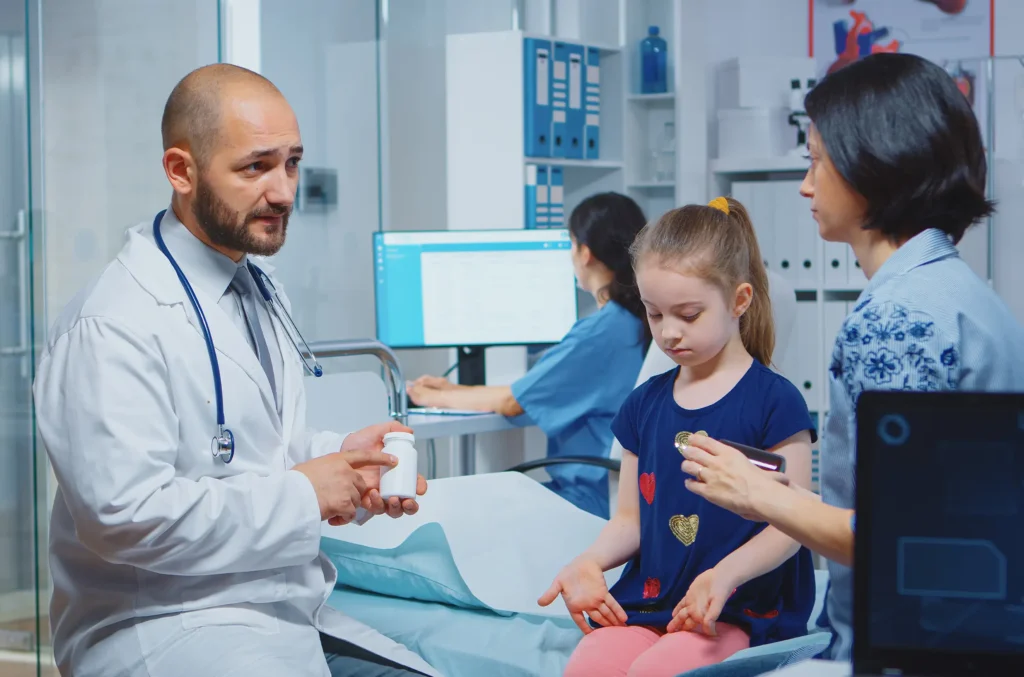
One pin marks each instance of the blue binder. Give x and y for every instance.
(559, 100)
(537, 97)
(530, 188)
(592, 106)
(556, 199)
(575, 114)
(542, 214)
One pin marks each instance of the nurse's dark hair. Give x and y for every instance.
(719, 247)
(607, 223)
(902, 134)
(192, 113)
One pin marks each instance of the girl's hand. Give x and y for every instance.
(585, 591)
(703, 603)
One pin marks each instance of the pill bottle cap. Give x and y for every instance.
(396, 437)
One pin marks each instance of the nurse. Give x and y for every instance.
(574, 391)
(897, 172)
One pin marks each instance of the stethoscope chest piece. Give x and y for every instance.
(223, 445)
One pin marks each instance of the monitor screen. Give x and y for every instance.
(474, 288)
(944, 493)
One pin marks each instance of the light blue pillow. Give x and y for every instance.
(421, 568)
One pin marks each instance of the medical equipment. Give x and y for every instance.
(474, 289)
(223, 443)
(765, 460)
(798, 117)
(400, 480)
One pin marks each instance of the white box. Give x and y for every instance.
(755, 132)
(761, 82)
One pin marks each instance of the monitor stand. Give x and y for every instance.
(472, 367)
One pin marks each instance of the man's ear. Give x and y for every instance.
(181, 170)
(744, 297)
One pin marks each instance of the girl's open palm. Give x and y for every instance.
(585, 591)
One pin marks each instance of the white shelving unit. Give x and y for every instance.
(485, 125)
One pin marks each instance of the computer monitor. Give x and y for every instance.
(939, 553)
(473, 288)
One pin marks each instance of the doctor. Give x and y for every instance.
(169, 557)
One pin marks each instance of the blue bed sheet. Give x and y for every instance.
(464, 642)
(461, 642)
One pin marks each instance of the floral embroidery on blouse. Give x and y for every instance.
(885, 346)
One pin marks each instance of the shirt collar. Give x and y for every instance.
(924, 248)
(206, 268)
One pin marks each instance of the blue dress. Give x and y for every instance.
(574, 392)
(683, 535)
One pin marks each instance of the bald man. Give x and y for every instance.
(172, 555)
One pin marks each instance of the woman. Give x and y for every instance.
(577, 387)
(898, 173)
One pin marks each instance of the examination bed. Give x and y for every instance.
(458, 582)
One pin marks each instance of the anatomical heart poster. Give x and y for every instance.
(956, 34)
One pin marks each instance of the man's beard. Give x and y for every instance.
(226, 227)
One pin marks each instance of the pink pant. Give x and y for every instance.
(635, 651)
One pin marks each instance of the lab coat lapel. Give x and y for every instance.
(154, 273)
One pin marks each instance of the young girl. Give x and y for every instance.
(701, 583)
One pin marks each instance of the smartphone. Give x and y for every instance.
(759, 457)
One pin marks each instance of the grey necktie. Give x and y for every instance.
(243, 286)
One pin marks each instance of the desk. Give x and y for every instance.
(466, 428)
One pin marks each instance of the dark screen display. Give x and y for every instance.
(947, 530)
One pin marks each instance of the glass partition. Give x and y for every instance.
(75, 172)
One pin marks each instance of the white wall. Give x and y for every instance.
(1009, 155)
(108, 67)
(321, 54)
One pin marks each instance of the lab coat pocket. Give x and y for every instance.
(258, 617)
(237, 603)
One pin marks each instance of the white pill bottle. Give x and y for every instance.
(400, 480)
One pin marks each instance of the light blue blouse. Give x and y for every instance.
(924, 322)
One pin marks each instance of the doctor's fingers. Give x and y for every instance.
(358, 458)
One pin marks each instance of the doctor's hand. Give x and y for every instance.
(339, 482)
(584, 590)
(373, 438)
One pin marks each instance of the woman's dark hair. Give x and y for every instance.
(607, 223)
(901, 133)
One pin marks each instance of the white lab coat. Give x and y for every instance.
(159, 551)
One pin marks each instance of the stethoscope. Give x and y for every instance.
(223, 444)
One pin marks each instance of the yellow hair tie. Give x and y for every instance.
(721, 204)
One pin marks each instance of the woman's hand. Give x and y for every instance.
(585, 591)
(423, 393)
(703, 603)
(434, 382)
(727, 478)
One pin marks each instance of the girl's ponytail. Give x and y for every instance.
(757, 328)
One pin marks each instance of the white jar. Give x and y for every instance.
(399, 480)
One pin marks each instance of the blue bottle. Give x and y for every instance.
(653, 60)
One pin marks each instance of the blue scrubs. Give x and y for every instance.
(574, 392)
(681, 534)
